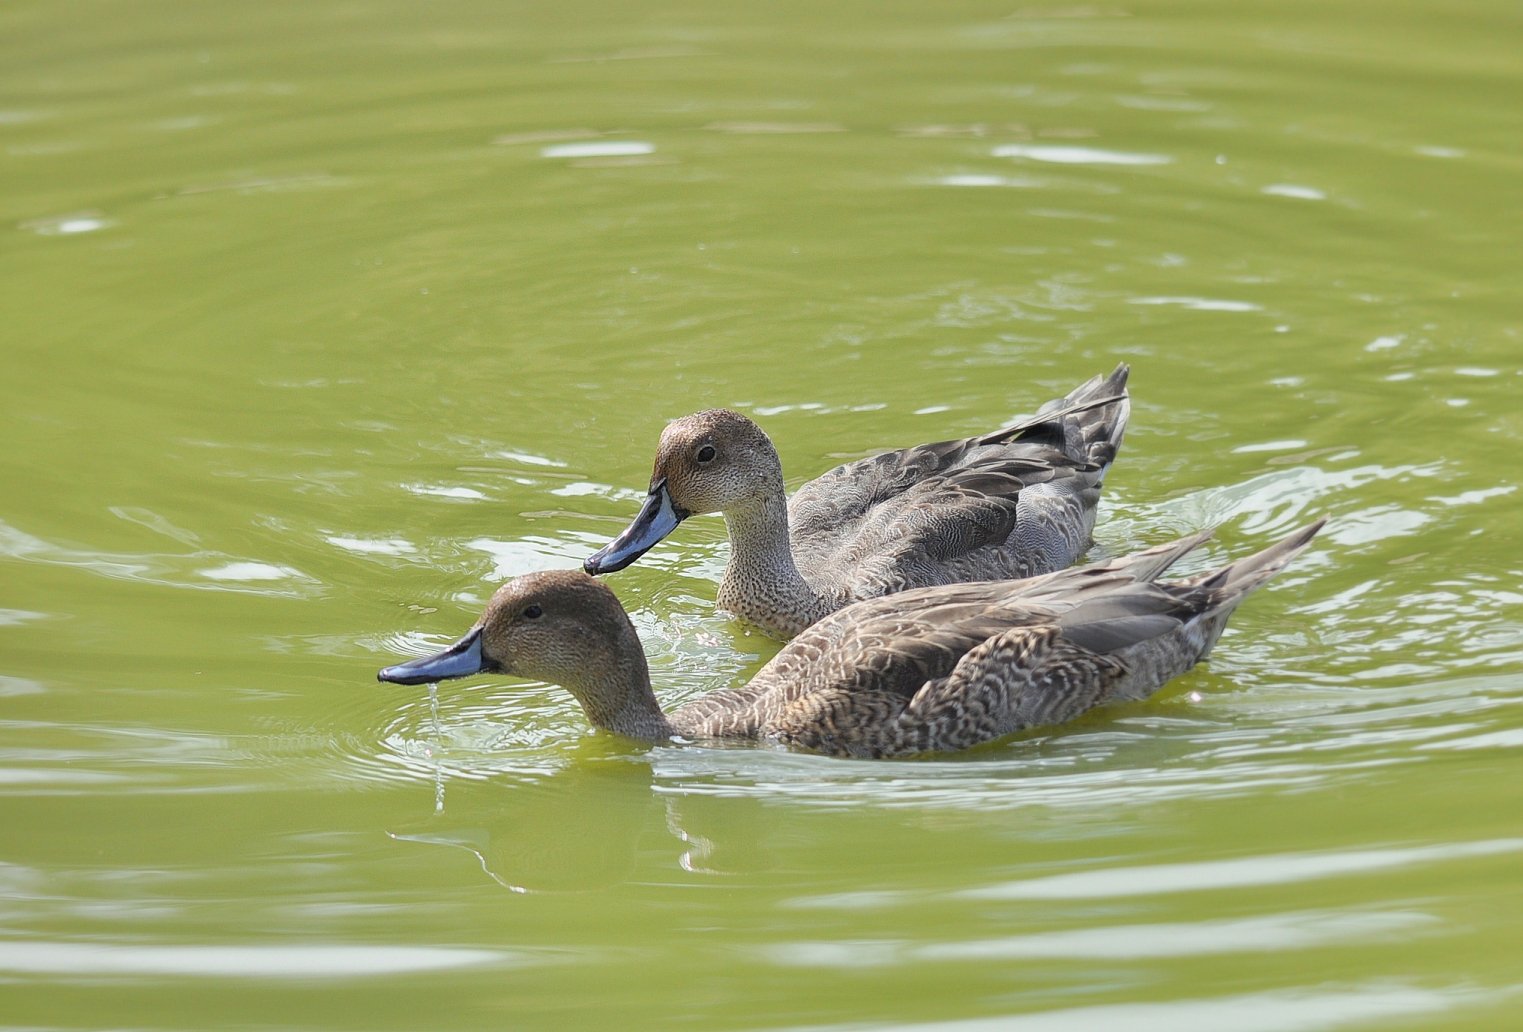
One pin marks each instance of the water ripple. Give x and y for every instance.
(1241, 873)
(598, 149)
(1290, 1010)
(69, 225)
(1069, 155)
(91, 960)
(203, 569)
(1271, 933)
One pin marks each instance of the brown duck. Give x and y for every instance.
(1013, 503)
(928, 670)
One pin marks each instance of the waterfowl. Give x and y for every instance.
(927, 670)
(1012, 503)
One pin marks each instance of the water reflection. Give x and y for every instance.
(95, 960)
(977, 179)
(577, 829)
(1225, 874)
(200, 569)
(598, 816)
(1069, 155)
(598, 149)
(1282, 931)
(69, 225)
(1303, 193)
(775, 128)
(1278, 1011)
(1201, 304)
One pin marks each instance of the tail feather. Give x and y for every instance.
(1078, 584)
(1227, 586)
(1096, 432)
(1087, 424)
(1149, 564)
(1249, 573)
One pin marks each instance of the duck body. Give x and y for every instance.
(932, 669)
(1013, 503)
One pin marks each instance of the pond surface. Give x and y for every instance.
(323, 319)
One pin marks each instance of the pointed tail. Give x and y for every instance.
(1100, 408)
(1149, 564)
(1237, 579)
(1087, 424)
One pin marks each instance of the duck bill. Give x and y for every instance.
(461, 659)
(657, 518)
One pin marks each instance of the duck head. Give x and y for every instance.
(559, 626)
(713, 461)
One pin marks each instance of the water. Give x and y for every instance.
(321, 320)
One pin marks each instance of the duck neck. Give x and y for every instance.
(761, 581)
(617, 697)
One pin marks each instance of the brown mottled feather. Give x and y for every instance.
(945, 668)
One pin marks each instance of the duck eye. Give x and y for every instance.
(533, 612)
(706, 453)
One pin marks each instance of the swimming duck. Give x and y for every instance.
(1012, 503)
(927, 670)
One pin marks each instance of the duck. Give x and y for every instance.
(1013, 503)
(927, 670)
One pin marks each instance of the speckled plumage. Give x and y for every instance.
(1013, 503)
(926, 670)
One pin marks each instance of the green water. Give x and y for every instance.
(312, 335)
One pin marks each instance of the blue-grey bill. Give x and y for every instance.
(657, 518)
(461, 659)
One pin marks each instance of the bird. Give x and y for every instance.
(928, 670)
(1016, 502)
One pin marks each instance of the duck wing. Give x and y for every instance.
(962, 670)
(890, 641)
(945, 674)
(1009, 516)
(945, 667)
(922, 515)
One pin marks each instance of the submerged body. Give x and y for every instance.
(928, 670)
(1013, 503)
